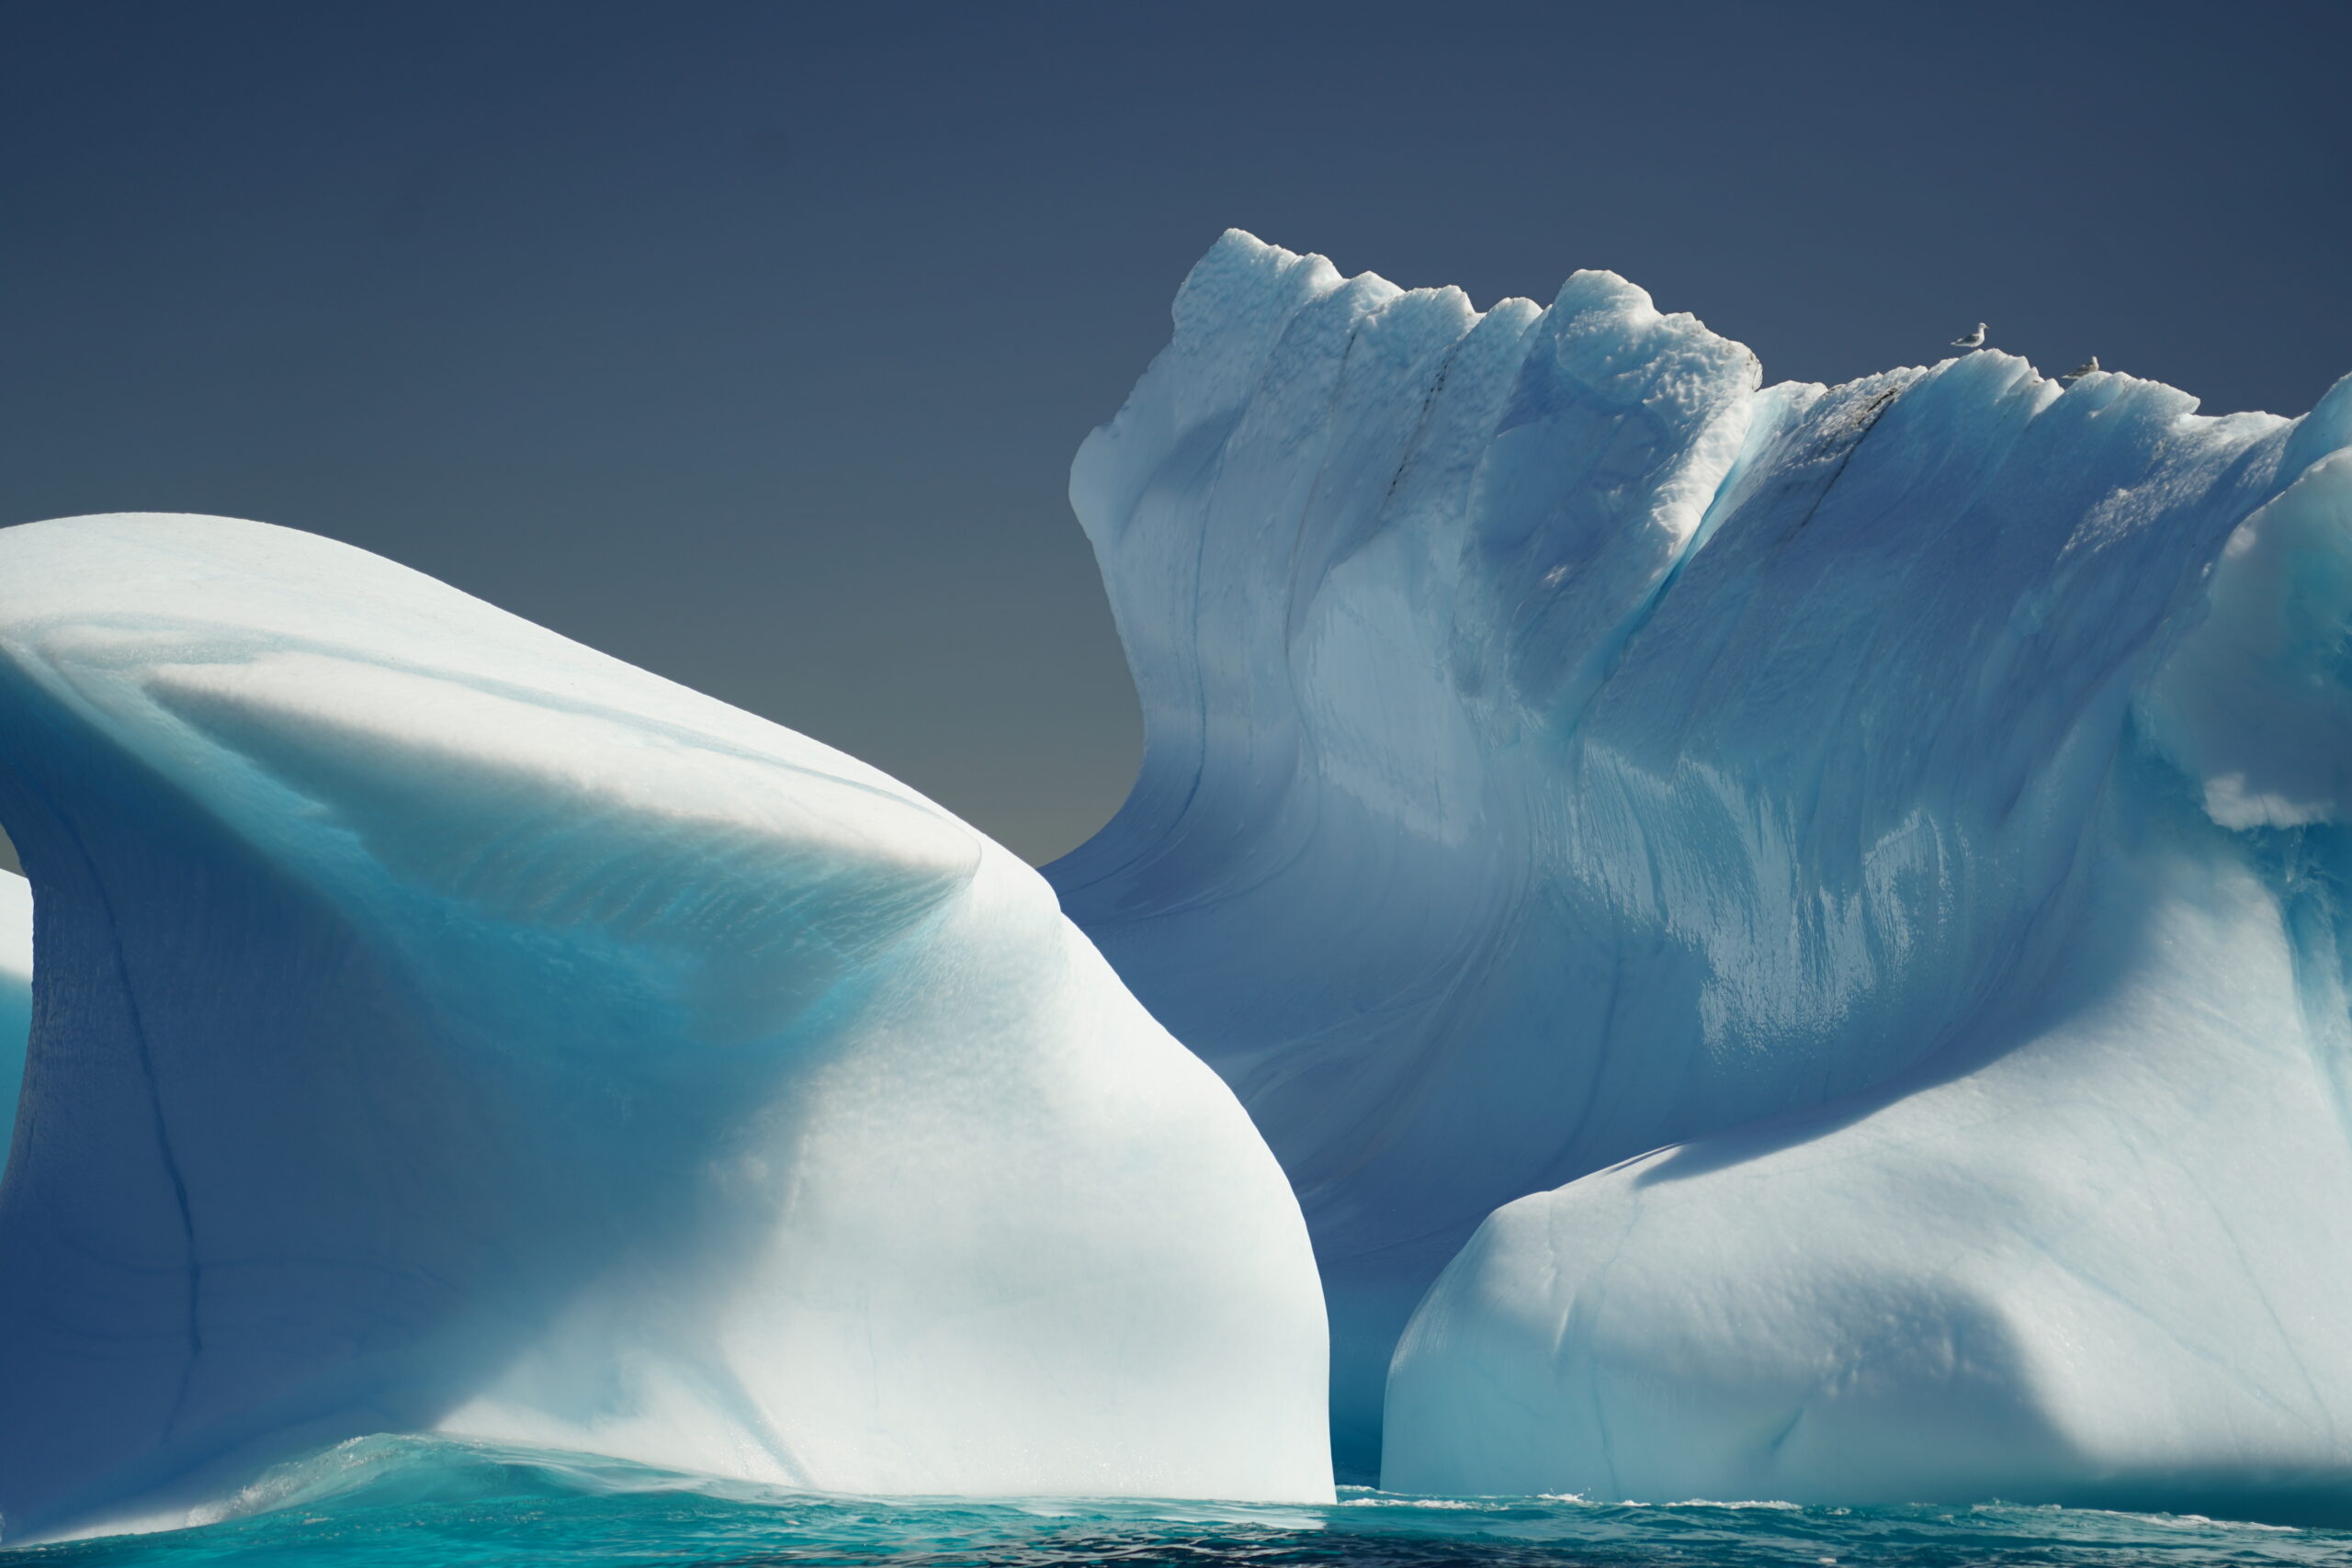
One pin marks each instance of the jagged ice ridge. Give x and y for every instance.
(1796, 934)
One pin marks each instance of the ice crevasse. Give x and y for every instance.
(1792, 940)
(440, 1026)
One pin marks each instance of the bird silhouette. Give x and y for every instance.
(2087, 367)
(1973, 339)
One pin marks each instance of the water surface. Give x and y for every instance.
(381, 1502)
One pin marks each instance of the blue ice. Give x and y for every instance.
(443, 1027)
(1850, 879)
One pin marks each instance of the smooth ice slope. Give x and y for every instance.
(1919, 798)
(445, 1027)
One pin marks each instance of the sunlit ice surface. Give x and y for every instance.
(1791, 939)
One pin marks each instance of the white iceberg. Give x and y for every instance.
(444, 1027)
(1921, 801)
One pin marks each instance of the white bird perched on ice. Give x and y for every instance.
(2088, 366)
(1973, 339)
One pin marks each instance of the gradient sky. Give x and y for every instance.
(750, 343)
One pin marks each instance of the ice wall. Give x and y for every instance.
(442, 1026)
(1560, 747)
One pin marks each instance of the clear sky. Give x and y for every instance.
(750, 343)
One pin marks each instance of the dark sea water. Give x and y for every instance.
(384, 1501)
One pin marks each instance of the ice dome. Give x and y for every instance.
(444, 1027)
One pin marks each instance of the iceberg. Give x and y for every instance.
(1795, 935)
(443, 1028)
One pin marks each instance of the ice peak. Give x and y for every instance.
(1560, 745)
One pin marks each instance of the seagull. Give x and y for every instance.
(2087, 367)
(1973, 339)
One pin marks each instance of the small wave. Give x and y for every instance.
(407, 1502)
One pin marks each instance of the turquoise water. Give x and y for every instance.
(384, 1501)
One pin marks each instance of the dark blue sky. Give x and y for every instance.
(752, 341)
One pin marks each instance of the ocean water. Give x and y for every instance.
(378, 1502)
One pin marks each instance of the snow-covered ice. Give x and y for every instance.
(1854, 874)
(445, 1027)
